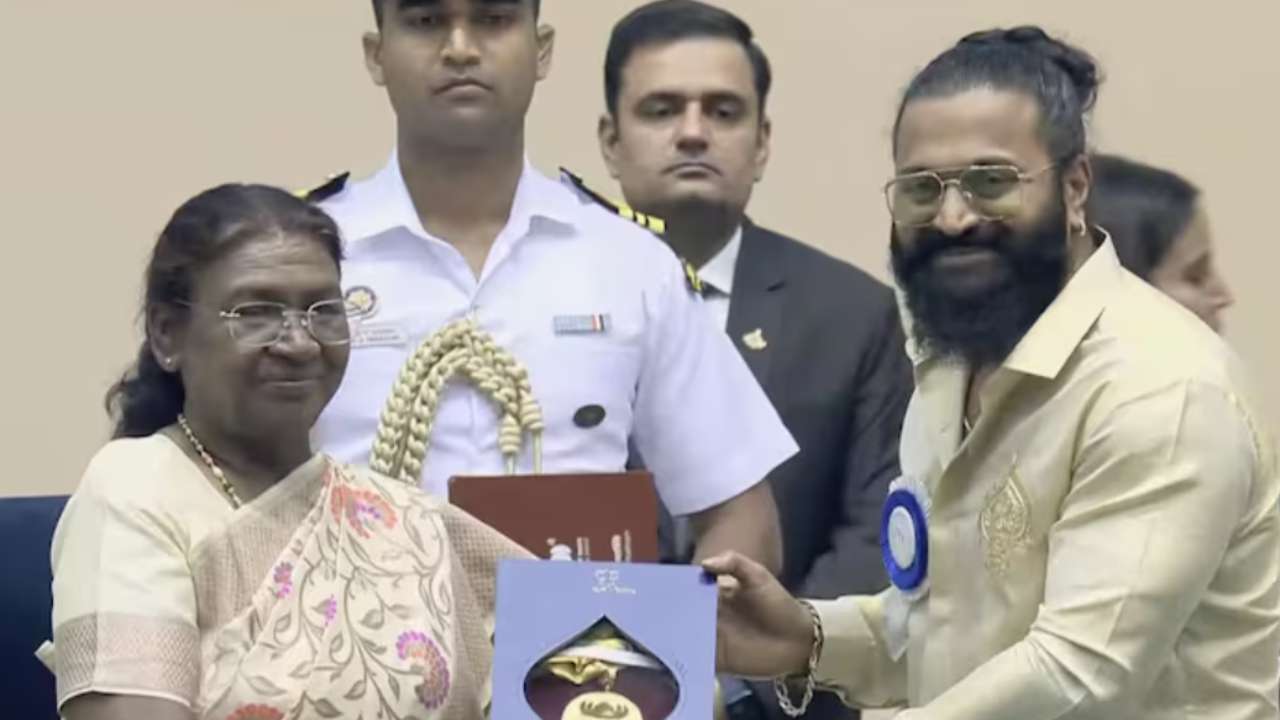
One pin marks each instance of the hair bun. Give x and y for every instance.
(1078, 65)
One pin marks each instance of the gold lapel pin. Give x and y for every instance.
(754, 340)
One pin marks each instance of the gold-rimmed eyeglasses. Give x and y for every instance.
(993, 191)
(259, 324)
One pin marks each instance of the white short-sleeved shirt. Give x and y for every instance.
(668, 379)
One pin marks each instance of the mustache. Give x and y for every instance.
(982, 318)
(929, 241)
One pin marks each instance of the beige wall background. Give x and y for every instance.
(113, 113)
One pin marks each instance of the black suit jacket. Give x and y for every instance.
(835, 367)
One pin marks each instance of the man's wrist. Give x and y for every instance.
(806, 636)
(804, 681)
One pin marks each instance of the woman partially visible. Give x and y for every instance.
(210, 565)
(1160, 230)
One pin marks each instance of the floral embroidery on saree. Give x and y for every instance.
(432, 666)
(357, 618)
(256, 712)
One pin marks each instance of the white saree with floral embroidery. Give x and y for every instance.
(338, 593)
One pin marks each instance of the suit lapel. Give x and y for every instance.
(755, 309)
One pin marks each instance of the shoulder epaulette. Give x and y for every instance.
(691, 276)
(653, 224)
(326, 190)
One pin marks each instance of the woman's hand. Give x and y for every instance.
(762, 631)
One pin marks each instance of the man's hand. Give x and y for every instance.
(761, 631)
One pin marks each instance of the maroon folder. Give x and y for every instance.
(602, 517)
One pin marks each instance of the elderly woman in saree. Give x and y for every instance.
(210, 564)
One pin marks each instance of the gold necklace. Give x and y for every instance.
(218, 475)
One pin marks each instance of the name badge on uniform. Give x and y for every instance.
(383, 334)
(581, 324)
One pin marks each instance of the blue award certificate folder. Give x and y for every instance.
(660, 653)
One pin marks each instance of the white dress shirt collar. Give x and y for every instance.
(718, 272)
(388, 205)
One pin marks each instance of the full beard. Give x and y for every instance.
(980, 320)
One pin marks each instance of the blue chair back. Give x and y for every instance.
(26, 530)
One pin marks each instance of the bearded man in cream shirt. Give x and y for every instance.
(1086, 526)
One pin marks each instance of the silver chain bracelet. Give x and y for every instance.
(780, 684)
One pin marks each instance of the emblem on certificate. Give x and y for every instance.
(603, 641)
(606, 705)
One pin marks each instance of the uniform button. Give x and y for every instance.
(588, 416)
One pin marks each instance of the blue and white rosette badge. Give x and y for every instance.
(904, 546)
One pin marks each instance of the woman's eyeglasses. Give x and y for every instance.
(259, 324)
(993, 191)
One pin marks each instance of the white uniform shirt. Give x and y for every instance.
(669, 380)
(718, 275)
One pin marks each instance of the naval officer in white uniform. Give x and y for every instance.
(601, 313)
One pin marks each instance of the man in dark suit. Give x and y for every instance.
(687, 137)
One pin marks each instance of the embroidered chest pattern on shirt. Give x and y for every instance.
(1005, 522)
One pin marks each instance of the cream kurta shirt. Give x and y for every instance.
(1104, 544)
